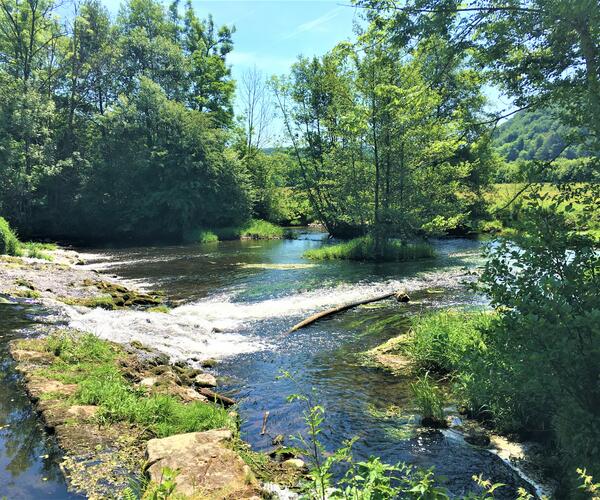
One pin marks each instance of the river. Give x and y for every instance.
(236, 300)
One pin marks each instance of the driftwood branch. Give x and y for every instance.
(215, 397)
(400, 297)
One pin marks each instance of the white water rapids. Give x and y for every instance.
(218, 326)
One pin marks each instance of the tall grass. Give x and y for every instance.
(364, 249)
(428, 398)
(255, 229)
(440, 341)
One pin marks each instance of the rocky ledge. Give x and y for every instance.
(107, 446)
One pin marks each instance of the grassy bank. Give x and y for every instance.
(96, 366)
(364, 249)
(504, 385)
(10, 244)
(255, 229)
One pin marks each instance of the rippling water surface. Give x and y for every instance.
(236, 300)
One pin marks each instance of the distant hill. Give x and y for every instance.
(534, 135)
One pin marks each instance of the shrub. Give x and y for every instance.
(206, 236)
(365, 249)
(9, 243)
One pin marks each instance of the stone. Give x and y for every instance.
(35, 357)
(294, 463)
(205, 380)
(477, 438)
(36, 386)
(402, 297)
(148, 381)
(189, 395)
(82, 412)
(207, 467)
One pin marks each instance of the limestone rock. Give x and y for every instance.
(82, 412)
(36, 386)
(207, 467)
(148, 381)
(35, 357)
(205, 380)
(294, 463)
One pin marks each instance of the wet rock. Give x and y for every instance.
(209, 363)
(205, 380)
(434, 423)
(477, 438)
(295, 463)
(402, 297)
(207, 467)
(160, 369)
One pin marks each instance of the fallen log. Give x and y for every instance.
(215, 397)
(400, 297)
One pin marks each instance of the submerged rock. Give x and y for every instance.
(207, 467)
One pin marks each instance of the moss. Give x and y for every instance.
(364, 249)
(26, 294)
(159, 309)
(103, 301)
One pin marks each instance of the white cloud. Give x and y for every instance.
(315, 23)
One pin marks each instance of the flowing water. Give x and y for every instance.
(28, 457)
(235, 301)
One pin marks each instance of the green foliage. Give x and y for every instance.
(9, 243)
(537, 134)
(442, 341)
(207, 236)
(365, 249)
(254, 229)
(90, 362)
(428, 398)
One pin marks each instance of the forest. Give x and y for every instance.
(378, 169)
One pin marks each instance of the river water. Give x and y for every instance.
(235, 301)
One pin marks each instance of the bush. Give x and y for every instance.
(365, 249)
(255, 229)
(9, 243)
(206, 236)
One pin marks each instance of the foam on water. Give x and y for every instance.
(220, 326)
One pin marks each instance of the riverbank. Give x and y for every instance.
(115, 408)
(433, 351)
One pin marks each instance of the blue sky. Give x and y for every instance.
(271, 34)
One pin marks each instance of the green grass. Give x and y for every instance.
(440, 341)
(38, 250)
(364, 249)
(255, 229)
(91, 363)
(428, 398)
(9, 243)
(206, 236)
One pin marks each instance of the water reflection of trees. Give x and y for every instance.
(22, 439)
